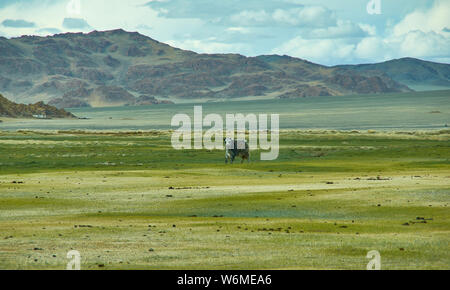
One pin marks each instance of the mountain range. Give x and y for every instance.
(116, 68)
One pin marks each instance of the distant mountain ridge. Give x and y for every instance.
(409, 71)
(116, 68)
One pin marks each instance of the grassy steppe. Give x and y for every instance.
(129, 201)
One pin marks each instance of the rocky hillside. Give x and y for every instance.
(39, 110)
(410, 71)
(116, 68)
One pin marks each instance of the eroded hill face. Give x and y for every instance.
(39, 110)
(116, 68)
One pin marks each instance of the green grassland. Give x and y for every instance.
(130, 201)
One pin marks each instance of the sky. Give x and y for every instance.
(327, 32)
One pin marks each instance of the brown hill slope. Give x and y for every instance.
(40, 110)
(114, 68)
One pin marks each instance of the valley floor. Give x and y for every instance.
(129, 201)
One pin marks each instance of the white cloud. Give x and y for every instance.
(210, 45)
(317, 50)
(249, 18)
(343, 29)
(242, 30)
(309, 16)
(432, 20)
(420, 34)
(371, 30)
(316, 16)
(416, 44)
(372, 47)
(421, 44)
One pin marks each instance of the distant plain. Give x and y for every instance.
(410, 111)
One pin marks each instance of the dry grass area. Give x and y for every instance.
(129, 201)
